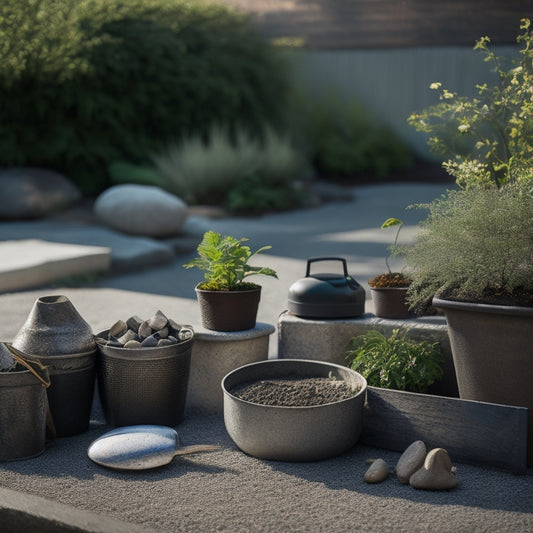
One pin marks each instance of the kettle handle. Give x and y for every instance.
(315, 259)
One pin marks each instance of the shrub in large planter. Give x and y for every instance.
(475, 250)
(474, 253)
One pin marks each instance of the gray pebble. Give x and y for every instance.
(158, 321)
(150, 341)
(163, 333)
(132, 344)
(144, 330)
(165, 342)
(118, 329)
(134, 322)
(128, 336)
(377, 472)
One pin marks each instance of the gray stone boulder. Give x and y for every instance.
(141, 210)
(29, 193)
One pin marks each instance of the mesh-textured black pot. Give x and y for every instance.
(22, 416)
(144, 385)
(228, 310)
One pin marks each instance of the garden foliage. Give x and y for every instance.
(488, 140)
(475, 245)
(397, 362)
(345, 141)
(224, 261)
(243, 173)
(84, 84)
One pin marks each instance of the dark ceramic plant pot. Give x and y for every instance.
(144, 385)
(390, 302)
(492, 354)
(228, 310)
(22, 416)
(56, 335)
(280, 433)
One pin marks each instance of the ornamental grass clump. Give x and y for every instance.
(396, 362)
(210, 169)
(475, 245)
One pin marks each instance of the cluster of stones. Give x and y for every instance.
(418, 468)
(137, 333)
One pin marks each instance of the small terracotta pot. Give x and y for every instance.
(390, 302)
(228, 310)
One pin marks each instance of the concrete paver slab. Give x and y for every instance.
(32, 262)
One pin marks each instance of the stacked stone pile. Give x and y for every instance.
(138, 333)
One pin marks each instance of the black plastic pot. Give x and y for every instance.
(390, 302)
(228, 310)
(144, 385)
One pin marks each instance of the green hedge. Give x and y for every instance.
(87, 83)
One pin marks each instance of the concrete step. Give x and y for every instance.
(31, 263)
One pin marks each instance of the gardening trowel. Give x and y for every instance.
(141, 447)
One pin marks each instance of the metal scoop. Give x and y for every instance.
(140, 447)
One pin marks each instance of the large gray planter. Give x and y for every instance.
(492, 352)
(293, 433)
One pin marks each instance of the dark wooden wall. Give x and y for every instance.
(356, 24)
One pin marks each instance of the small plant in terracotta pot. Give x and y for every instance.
(227, 301)
(389, 289)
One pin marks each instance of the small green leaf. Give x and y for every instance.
(391, 222)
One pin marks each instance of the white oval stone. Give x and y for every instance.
(141, 210)
(135, 447)
(377, 472)
(410, 461)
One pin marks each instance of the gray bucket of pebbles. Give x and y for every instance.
(143, 371)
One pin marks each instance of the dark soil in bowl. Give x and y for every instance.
(294, 391)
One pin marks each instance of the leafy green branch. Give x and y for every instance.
(487, 139)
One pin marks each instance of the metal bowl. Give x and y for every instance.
(293, 433)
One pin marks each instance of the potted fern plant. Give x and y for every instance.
(389, 290)
(227, 302)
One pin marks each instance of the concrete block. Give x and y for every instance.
(214, 354)
(327, 339)
(33, 263)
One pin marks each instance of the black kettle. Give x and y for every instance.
(326, 295)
